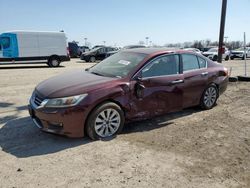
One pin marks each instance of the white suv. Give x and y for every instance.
(239, 53)
(213, 54)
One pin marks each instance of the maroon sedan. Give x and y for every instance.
(130, 85)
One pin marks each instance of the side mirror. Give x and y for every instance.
(139, 90)
(138, 77)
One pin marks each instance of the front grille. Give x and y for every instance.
(38, 100)
(236, 53)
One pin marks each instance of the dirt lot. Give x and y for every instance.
(192, 148)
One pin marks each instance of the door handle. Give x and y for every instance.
(177, 81)
(204, 74)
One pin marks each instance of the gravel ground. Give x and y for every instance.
(191, 148)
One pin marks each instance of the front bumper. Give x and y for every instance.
(223, 84)
(239, 55)
(65, 121)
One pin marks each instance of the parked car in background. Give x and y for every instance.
(97, 46)
(193, 50)
(124, 48)
(240, 53)
(33, 47)
(130, 85)
(98, 53)
(73, 49)
(82, 49)
(205, 49)
(213, 54)
(133, 46)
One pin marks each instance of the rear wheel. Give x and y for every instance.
(105, 121)
(232, 58)
(92, 59)
(54, 62)
(209, 97)
(215, 58)
(227, 58)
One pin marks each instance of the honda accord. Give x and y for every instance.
(130, 85)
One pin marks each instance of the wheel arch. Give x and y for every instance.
(99, 104)
(54, 56)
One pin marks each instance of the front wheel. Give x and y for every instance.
(105, 121)
(209, 97)
(227, 58)
(215, 58)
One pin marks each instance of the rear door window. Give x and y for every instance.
(202, 62)
(190, 62)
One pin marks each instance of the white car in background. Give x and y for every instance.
(239, 53)
(193, 50)
(213, 54)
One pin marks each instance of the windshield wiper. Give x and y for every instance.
(96, 73)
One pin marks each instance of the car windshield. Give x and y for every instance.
(5, 42)
(118, 65)
(95, 49)
(213, 50)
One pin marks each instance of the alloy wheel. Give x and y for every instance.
(210, 97)
(107, 122)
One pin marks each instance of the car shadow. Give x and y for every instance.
(26, 67)
(157, 122)
(6, 107)
(19, 137)
(5, 104)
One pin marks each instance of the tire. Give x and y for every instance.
(227, 58)
(233, 79)
(54, 61)
(215, 58)
(232, 58)
(243, 58)
(209, 97)
(92, 59)
(105, 121)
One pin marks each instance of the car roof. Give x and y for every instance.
(149, 51)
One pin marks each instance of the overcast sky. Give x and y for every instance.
(123, 22)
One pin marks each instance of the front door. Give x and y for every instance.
(101, 54)
(158, 88)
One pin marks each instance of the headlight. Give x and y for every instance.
(63, 102)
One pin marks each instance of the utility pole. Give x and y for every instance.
(146, 40)
(226, 39)
(245, 54)
(222, 29)
(85, 41)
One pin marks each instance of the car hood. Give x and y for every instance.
(237, 51)
(87, 53)
(71, 83)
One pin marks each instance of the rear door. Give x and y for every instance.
(195, 78)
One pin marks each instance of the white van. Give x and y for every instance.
(30, 46)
